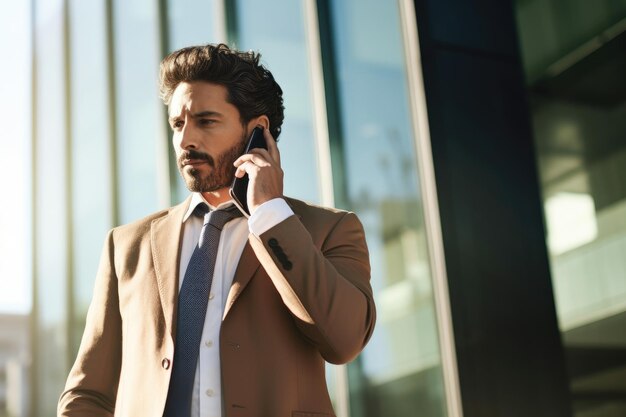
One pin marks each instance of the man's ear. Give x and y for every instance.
(262, 120)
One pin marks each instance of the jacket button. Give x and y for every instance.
(165, 363)
(272, 242)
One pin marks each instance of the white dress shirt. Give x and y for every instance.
(207, 390)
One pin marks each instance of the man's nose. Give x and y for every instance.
(188, 137)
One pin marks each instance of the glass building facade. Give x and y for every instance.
(101, 157)
(574, 56)
(95, 153)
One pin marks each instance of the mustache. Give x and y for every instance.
(193, 154)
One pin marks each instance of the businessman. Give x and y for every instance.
(200, 311)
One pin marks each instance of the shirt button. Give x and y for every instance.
(208, 343)
(211, 296)
(209, 393)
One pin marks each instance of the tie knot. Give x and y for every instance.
(201, 210)
(218, 218)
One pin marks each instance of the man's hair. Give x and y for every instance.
(251, 87)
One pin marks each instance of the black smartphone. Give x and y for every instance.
(239, 190)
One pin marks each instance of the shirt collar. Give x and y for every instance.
(197, 198)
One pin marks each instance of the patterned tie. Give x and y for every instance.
(192, 306)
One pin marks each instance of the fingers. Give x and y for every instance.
(245, 168)
(252, 162)
(258, 157)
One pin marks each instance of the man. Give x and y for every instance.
(288, 288)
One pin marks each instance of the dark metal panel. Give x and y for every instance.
(469, 24)
(509, 351)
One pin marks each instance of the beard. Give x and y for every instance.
(222, 171)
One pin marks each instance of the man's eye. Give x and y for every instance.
(177, 124)
(206, 122)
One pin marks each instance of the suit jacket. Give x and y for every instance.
(300, 295)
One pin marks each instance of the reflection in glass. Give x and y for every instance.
(191, 22)
(51, 205)
(91, 159)
(15, 166)
(578, 104)
(399, 373)
(279, 36)
(140, 120)
(15, 215)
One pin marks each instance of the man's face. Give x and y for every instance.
(208, 135)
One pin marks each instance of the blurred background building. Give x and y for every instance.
(481, 142)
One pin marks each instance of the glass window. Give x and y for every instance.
(276, 29)
(194, 22)
(191, 22)
(141, 136)
(51, 207)
(399, 372)
(15, 213)
(91, 151)
(15, 166)
(573, 54)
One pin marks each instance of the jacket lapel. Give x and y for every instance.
(166, 233)
(165, 236)
(248, 264)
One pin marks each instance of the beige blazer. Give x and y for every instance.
(300, 295)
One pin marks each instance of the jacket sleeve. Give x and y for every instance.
(91, 387)
(325, 284)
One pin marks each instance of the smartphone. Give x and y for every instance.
(239, 190)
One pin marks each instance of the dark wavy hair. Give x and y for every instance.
(251, 87)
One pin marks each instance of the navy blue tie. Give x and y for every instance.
(192, 305)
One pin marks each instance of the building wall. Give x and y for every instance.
(365, 103)
(507, 341)
(574, 55)
(101, 157)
